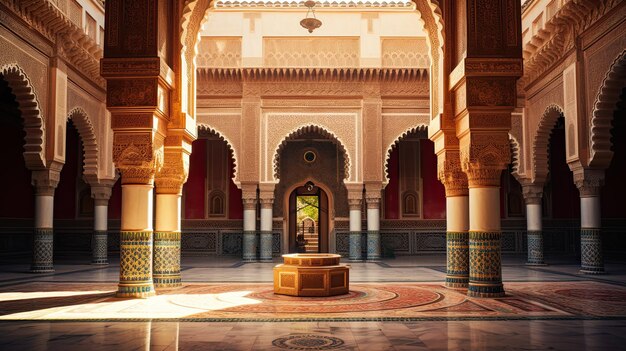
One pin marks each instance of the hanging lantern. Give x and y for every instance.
(310, 23)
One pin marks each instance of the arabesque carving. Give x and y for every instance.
(485, 158)
(450, 173)
(137, 156)
(603, 113)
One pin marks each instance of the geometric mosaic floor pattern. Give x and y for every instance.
(228, 302)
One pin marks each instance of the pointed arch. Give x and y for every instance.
(90, 143)
(603, 110)
(541, 141)
(231, 149)
(29, 106)
(394, 144)
(299, 131)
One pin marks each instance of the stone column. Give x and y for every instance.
(589, 184)
(533, 194)
(167, 232)
(250, 242)
(485, 278)
(266, 196)
(45, 182)
(372, 197)
(457, 220)
(101, 193)
(355, 198)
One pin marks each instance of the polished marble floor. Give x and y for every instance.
(547, 308)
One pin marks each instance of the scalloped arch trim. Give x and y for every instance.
(90, 143)
(34, 124)
(394, 144)
(309, 129)
(542, 139)
(229, 144)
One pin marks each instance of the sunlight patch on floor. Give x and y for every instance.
(160, 306)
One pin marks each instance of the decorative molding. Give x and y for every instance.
(542, 140)
(89, 142)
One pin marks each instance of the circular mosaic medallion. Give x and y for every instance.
(307, 342)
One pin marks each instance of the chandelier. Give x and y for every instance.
(310, 23)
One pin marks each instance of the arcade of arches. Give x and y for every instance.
(154, 129)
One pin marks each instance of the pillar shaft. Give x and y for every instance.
(373, 227)
(136, 240)
(45, 183)
(266, 235)
(167, 237)
(589, 183)
(356, 244)
(99, 239)
(534, 227)
(457, 241)
(250, 242)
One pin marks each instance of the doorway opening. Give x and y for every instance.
(308, 217)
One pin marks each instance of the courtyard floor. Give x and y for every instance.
(396, 304)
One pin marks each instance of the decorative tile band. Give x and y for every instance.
(373, 245)
(591, 259)
(99, 247)
(43, 248)
(535, 247)
(355, 246)
(457, 253)
(485, 273)
(250, 246)
(166, 259)
(135, 264)
(266, 238)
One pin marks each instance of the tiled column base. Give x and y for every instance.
(373, 245)
(355, 247)
(43, 246)
(166, 260)
(591, 261)
(99, 247)
(535, 248)
(249, 246)
(266, 246)
(485, 273)
(457, 250)
(135, 265)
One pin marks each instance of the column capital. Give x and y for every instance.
(484, 156)
(533, 193)
(138, 156)
(173, 175)
(354, 204)
(451, 174)
(101, 193)
(589, 181)
(46, 181)
(373, 202)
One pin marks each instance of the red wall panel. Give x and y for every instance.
(17, 199)
(194, 189)
(434, 200)
(235, 204)
(565, 198)
(392, 202)
(115, 202)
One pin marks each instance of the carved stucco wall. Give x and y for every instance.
(276, 126)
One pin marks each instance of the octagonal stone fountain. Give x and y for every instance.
(311, 274)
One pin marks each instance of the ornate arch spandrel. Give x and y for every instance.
(603, 111)
(229, 145)
(29, 106)
(297, 132)
(541, 141)
(394, 144)
(90, 143)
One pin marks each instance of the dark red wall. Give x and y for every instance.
(565, 198)
(434, 201)
(235, 204)
(614, 191)
(65, 194)
(392, 202)
(17, 200)
(194, 189)
(115, 202)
